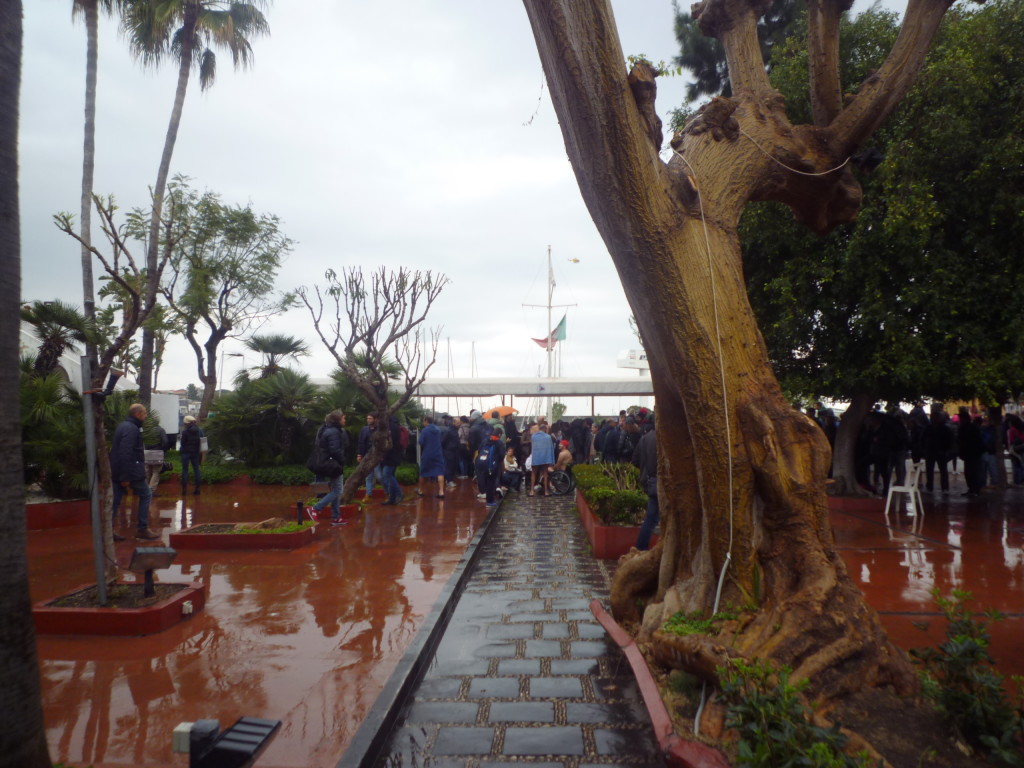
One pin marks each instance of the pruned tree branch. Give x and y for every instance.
(823, 53)
(880, 93)
(734, 22)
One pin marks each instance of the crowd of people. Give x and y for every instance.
(967, 442)
(492, 451)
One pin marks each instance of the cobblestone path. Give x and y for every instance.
(524, 674)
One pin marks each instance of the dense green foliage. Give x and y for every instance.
(612, 492)
(922, 294)
(695, 624)
(961, 678)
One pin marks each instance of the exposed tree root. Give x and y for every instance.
(635, 582)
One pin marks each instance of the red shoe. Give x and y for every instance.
(312, 514)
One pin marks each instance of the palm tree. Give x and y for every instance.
(89, 10)
(186, 30)
(275, 348)
(59, 327)
(23, 737)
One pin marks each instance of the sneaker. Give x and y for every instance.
(145, 533)
(451, 484)
(338, 523)
(491, 504)
(481, 495)
(311, 513)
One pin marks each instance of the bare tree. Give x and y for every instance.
(132, 283)
(368, 327)
(741, 473)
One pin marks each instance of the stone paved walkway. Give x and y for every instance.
(524, 673)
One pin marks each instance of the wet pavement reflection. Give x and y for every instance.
(307, 636)
(974, 544)
(311, 636)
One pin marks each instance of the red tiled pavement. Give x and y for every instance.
(308, 637)
(972, 544)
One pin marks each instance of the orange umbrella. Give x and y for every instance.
(503, 411)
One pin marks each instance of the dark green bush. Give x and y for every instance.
(774, 724)
(961, 678)
(220, 473)
(627, 507)
(407, 474)
(290, 474)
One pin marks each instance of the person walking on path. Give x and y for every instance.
(128, 468)
(390, 463)
(332, 440)
(191, 453)
(431, 458)
(363, 443)
(645, 456)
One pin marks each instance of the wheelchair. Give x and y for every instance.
(562, 481)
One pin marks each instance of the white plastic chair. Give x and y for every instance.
(910, 488)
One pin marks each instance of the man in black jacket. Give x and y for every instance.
(645, 456)
(128, 467)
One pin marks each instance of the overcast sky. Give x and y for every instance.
(415, 134)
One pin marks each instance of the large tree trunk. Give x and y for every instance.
(844, 463)
(23, 738)
(742, 473)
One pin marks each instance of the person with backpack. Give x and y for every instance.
(490, 461)
(190, 444)
(332, 442)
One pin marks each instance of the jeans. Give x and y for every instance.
(193, 459)
(140, 489)
(333, 497)
(991, 476)
(387, 479)
(643, 541)
(375, 474)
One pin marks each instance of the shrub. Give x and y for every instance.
(220, 473)
(613, 492)
(774, 725)
(407, 474)
(290, 474)
(960, 677)
(627, 507)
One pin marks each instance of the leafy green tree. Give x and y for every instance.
(920, 296)
(53, 440)
(60, 327)
(220, 278)
(187, 30)
(192, 392)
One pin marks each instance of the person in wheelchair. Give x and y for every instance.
(564, 456)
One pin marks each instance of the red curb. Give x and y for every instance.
(152, 619)
(676, 750)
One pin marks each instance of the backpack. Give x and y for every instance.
(489, 458)
(403, 437)
(320, 464)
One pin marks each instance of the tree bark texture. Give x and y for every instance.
(742, 473)
(23, 738)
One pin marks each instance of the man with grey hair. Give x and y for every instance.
(128, 467)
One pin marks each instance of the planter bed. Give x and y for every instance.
(609, 542)
(57, 514)
(173, 604)
(219, 536)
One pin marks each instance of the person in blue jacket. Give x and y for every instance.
(431, 457)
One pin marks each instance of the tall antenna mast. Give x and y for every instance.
(550, 342)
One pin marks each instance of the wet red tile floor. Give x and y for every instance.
(310, 636)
